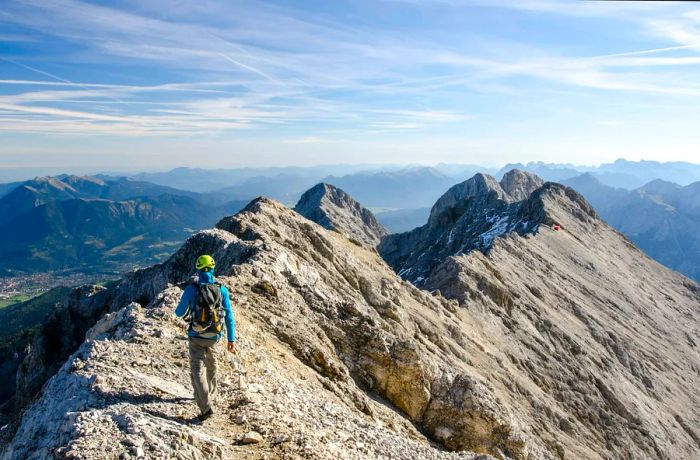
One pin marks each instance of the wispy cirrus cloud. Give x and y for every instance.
(163, 69)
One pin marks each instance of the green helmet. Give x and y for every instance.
(205, 262)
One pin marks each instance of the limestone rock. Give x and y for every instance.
(252, 437)
(519, 185)
(334, 209)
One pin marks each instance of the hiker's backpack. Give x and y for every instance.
(206, 315)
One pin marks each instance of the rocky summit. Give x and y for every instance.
(469, 216)
(334, 209)
(550, 344)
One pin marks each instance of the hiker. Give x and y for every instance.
(203, 303)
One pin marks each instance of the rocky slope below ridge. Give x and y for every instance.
(356, 330)
(512, 372)
(468, 216)
(334, 209)
(600, 339)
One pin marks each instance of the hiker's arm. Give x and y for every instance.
(185, 301)
(230, 322)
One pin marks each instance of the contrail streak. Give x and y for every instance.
(55, 77)
(652, 51)
(249, 68)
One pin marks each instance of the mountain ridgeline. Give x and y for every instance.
(468, 216)
(87, 223)
(533, 331)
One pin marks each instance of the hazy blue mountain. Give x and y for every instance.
(29, 194)
(547, 171)
(34, 193)
(680, 172)
(600, 195)
(661, 188)
(86, 222)
(286, 188)
(123, 188)
(407, 188)
(7, 188)
(210, 180)
(403, 220)
(82, 233)
(384, 189)
(621, 173)
(461, 171)
(661, 218)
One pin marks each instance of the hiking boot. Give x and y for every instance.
(207, 414)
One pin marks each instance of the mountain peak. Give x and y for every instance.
(473, 214)
(334, 209)
(480, 185)
(557, 204)
(587, 177)
(520, 184)
(660, 187)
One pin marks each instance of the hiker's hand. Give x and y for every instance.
(231, 347)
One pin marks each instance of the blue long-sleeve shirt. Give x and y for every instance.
(189, 296)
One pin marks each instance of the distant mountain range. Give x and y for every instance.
(67, 220)
(621, 173)
(407, 188)
(24, 196)
(661, 217)
(210, 180)
(84, 223)
(379, 186)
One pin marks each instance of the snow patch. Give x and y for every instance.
(497, 229)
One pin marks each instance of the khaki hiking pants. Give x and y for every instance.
(203, 354)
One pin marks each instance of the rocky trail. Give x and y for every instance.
(129, 396)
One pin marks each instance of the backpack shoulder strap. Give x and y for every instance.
(220, 297)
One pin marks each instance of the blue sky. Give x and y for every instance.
(158, 84)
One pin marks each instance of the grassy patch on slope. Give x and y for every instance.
(14, 299)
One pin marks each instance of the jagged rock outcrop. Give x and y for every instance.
(550, 345)
(519, 185)
(469, 216)
(334, 209)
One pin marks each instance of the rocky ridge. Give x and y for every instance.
(320, 318)
(334, 209)
(470, 215)
(599, 338)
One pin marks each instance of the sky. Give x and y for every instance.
(156, 84)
